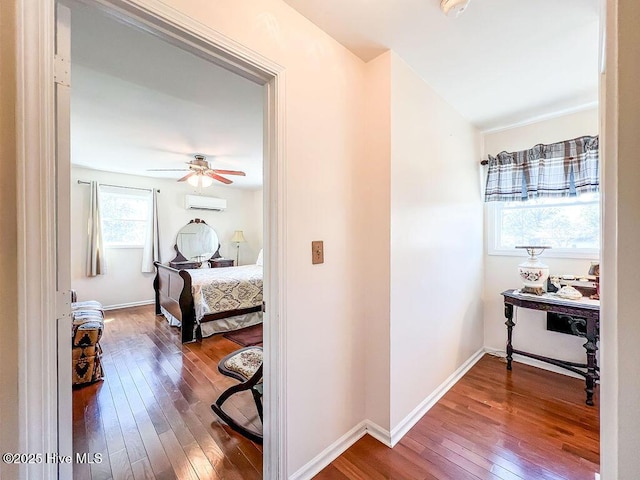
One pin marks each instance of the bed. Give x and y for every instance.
(206, 301)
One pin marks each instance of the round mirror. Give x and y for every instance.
(197, 242)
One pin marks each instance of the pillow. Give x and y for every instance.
(259, 260)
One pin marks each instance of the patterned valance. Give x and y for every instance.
(556, 170)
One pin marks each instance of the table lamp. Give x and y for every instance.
(238, 238)
(533, 272)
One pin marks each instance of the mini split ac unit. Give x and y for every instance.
(197, 202)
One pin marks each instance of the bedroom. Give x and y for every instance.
(327, 305)
(141, 109)
(133, 115)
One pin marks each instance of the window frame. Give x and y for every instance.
(118, 191)
(493, 212)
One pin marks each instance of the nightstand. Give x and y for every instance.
(221, 262)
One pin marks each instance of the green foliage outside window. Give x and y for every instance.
(566, 223)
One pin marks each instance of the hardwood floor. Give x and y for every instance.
(493, 424)
(151, 416)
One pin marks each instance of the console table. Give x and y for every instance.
(588, 312)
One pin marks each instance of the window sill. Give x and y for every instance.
(551, 253)
(124, 246)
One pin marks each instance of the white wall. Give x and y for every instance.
(255, 231)
(436, 241)
(373, 248)
(620, 332)
(124, 283)
(531, 334)
(421, 254)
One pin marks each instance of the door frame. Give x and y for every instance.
(36, 154)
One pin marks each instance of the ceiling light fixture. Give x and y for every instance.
(206, 181)
(453, 8)
(200, 179)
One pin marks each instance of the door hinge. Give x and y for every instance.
(264, 307)
(62, 71)
(63, 304)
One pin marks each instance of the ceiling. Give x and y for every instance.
(500, 63)
(139, 103)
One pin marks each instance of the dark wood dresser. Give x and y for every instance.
(183, 265)
(221, 262)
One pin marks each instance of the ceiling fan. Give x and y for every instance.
(200, 172)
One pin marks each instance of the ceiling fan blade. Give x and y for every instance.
(218, 177)
(167, 169)
(190, 174)
(228, 172)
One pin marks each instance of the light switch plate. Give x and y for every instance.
(317, 252)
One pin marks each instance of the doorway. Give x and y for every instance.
(140, 110)
(216, 49)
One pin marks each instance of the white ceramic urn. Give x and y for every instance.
(533, 272)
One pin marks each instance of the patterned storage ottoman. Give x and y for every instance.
(86, 352)
(86, 305)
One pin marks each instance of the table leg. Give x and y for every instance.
(591, 347)
(508, 313)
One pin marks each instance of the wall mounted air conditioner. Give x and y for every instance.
(197, 202)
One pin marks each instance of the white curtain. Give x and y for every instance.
(96, 262)
(151, 252)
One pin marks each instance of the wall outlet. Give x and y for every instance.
(317, 252)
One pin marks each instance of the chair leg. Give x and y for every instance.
(251, 435)
(230, 391)
(257, 397)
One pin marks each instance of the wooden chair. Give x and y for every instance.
(244, 365)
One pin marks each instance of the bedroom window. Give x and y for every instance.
(571, 225)
(125, 216)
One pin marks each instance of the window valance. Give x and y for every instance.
(555, 170)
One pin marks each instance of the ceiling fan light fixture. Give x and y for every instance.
(206, 181)
(200, 180)
(194, 180)
(453, 8)
(200, 173)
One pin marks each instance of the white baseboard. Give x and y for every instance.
(410, 420)
(333, 451)
(379, 433)
(329, 454)
(127, 305)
